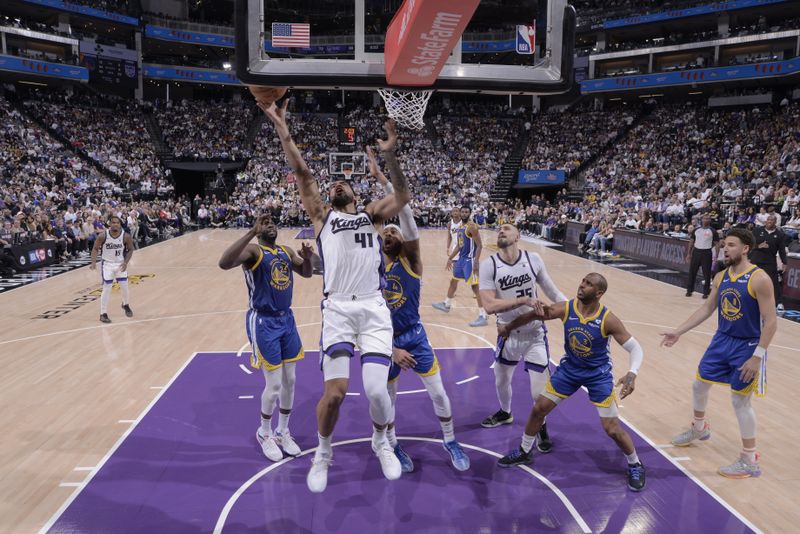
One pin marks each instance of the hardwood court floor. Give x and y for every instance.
(71, 386)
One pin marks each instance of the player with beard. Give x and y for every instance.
(508, 283)
(737, 355)
(270, 324)
(354, 312)
(412, 350)
(468, 250)
(588, 327)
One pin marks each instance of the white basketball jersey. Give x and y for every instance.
(514, 281)
(454, 228)
(114, 248)
(352, 254)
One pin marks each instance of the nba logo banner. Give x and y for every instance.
(526, 37)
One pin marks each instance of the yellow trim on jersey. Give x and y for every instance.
(472, 280)
(257, 361)
(607, 402)
(701, 379)
(469, 225)
(718, 279)
(549, 389)
(269, 249)
(300, 356)
(258, 261)
(603, 324)
(393, 380)
(585, 320)
(750, 281)
(433, 370)
(735, 278)
(752, 386)
(566, 312)
(407, 267)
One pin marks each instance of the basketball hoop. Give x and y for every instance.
(406, 107)
(348, 173)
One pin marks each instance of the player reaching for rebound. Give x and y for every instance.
(508, 282)
(744, 297)
(116, 250)
(466, 266)
(587, 362)
(270, 324)
(412, 350)
(353, 311)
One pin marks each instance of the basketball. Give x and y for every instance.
(267, 95)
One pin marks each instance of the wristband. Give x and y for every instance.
(760, 352)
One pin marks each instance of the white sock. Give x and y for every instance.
(378, 437)
(324, 444)
(447, 301)
(123, 284)
(283, 422)
(391, 437)
(104, 297)
(749, 455)
(632, 458)
(482, 312)
(699, 424)
(266, 426)
(527, 442)
(448, 431)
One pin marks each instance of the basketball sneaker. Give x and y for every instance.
(390, 465)
(480, 321)
(516, 457)
(287, 443)
(543, 442)
(441, 306)
(406, 463)
(499, 418)
(685, 438)
(104, 318)
(317, 479)
(128, 310)
(458, 457)
(269, 447)
(636, 477)
(741, 468)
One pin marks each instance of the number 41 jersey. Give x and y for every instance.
(352, 254)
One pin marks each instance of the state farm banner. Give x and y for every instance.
(663, 251)
(420, 38)
(791, 279)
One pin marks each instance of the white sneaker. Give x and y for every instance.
(287, 443)
(269, 447)
(317, 479)
(390, 465)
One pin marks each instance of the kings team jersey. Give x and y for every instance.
(270, 281)
(351, 253)
(114, 248)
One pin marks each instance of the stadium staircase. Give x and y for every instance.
(576, 180)
(510, 170)
(80, 152)
(254, 129)
(157, 137)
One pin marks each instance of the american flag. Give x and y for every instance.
(291, 35)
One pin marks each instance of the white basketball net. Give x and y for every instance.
(406, 107)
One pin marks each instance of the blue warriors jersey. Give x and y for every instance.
(269, 281)
(402, 295)
(585, 340)
(739, 315)
(466, 244)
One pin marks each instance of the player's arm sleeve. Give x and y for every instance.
(544, 280)
(486, 275)
(407, 224)
(636, 354)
